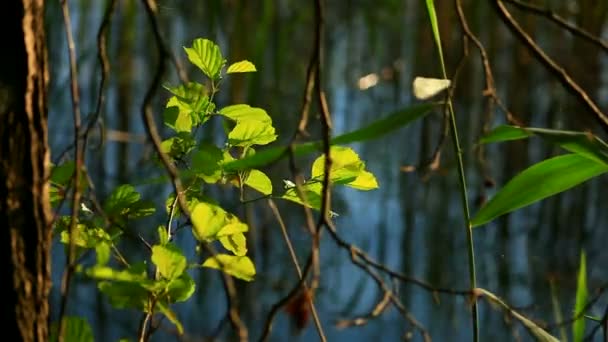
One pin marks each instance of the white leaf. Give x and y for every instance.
(425, 88)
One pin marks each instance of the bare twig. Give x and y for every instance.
(71, 251)
(551, 65)
(556, 18)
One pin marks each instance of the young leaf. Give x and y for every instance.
(169, 261)
(258, 180)
(244, 112)
(578, 328)
(251, 132)
(177, 119)
(242, 66)
(102, 252)
(77, 329)
(180, 288)
(206, 163)
(239, 266)
(206, 55)
(372, 131)
(236, 243)
(346, 168)
(207, 220)
(234, 227)
(539, 181)
(311, 195)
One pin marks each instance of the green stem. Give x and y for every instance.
(467, 217)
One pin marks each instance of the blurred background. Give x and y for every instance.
(413, 222)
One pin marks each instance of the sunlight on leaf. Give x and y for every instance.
(346, 168)
(244, 112)
(207, 220)
(242, 66)
(258, 180)
(239, 266)
(311, 193)
(544, 179)
(169, 261)
(578, 328)
(252, 132)
(180, 288)
(206, 55)
(236, 243)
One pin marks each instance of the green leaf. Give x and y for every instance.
(242, 66)
(582, 143)
(134, 274)
(372, 131)
(179, 145)
(311, 195)
(169, 260)
(236, 243)
(239, 266)
(430, 6)
(258, 180)
(77, 329)
(346, 168)
(244, 112)
(125, 201)
(234, 227)
(125, 295)
(578, 327)
(539, 181)
(163, 236)
(206, 163)
(206, 55)
(180, 288)
(177, 119)
(251, 132)
(207, 220)
(102, 251)
(61, 174)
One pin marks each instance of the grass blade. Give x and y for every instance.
(578, 328)
(539, 181)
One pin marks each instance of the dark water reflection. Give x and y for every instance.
(413, 223)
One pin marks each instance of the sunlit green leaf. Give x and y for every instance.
(163, 236)
(206, 55)
(372, 131)
(239, 266)
(102, 252)
(585, 144)
(135, 274)
(180, 288)
(251, 132)
(169, 260)
(236, 243)
(364, 181)
(76, 329)
(346, 168)
(259, 181)
(178, 145)
(242, 66)
(311, 195)
(244, 112)
(233, 227)
(541, 180)
(171, 316)
(578, 327)
(176, 119)
(207, 220)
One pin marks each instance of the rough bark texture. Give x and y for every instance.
(25, 239)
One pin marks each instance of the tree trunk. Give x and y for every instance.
(25, 213)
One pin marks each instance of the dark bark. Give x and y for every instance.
(24, 162)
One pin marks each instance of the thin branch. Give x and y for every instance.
(294, 259)
(560, 21)
(551, 65)
(71, 252)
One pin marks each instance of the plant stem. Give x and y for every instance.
(467, 216)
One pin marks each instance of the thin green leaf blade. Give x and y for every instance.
(578, 328)
(505, 133)
(539, 181)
